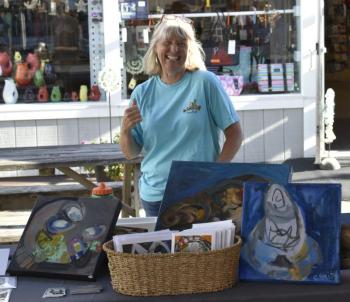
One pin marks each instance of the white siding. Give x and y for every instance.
(26, 136)
(273, 135)
(253, 129)
(239, 158)
(89, 130)
(47, 132)
(293, 133)
(7, 140)
(67, 132)
(7, 134)
(269, 135)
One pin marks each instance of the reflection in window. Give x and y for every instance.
(46, 44)
(251, 45)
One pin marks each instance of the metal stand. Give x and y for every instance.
(329, 163)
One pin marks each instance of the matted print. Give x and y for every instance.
(291, 233)
(209, 191)
(64, 237)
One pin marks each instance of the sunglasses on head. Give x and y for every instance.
(176, 17)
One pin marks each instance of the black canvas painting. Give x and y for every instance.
(64, 237)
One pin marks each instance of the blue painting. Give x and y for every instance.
(291, 233)
(209, 191)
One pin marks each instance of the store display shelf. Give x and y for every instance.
(241, 13)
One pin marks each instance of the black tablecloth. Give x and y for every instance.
(31, 289)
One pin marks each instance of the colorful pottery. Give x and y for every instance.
(66, 97)
(95, 93)
(10, 93)
(29, 95)
(17, 57)
(43, 94)
(33, 63)
(56, 94)
(38, 78)
(49, 73)
(83, 93)
(74, 96)
(23, 76)
(6, 64)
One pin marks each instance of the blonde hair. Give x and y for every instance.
(182, 29)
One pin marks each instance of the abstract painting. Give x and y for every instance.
(64, 237)
(199, 192)
(291, 233)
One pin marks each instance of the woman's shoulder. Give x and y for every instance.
(142, 87)
(204, 75)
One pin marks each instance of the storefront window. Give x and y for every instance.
(252, 46)
(50, 50)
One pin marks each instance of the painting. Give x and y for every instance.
(291, 233)
(64, 237)
(199, 192)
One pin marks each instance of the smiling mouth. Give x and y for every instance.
(172, 58)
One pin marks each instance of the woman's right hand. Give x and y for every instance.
(128, 145)
(131, 117)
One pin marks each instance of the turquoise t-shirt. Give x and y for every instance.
(180, 121)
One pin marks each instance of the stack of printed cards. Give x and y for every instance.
(144, 243)
(6, 283)
(204, 237)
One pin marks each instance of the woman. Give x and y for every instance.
(177, 112)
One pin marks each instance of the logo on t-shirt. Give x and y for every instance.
(192, 107)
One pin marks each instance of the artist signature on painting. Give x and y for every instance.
(330, 275)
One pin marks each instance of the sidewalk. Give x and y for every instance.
(304, 170)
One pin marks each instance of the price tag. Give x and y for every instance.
(231, 47)
(124, 35)
(141, 3)
(132, 83)
(145, 36)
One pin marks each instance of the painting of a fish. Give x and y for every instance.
(291, 232)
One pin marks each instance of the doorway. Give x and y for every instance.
(337, 67)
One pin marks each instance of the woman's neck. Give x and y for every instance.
(171, 78)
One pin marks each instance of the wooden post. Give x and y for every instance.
(136, 193)
(126, 190)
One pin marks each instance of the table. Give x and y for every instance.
(31, 289)
(65, 157)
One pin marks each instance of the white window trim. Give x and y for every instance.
(62, 110)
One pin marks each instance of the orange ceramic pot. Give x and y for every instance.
(23, 76)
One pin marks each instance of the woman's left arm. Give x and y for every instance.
(233, 141)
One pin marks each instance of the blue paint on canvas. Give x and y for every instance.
(209, 191)
(291, 233)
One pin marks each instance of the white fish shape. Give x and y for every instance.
(279, 246)
(10, 93)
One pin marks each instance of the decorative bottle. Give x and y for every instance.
(10, 93)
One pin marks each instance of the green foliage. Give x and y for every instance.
(114, 172)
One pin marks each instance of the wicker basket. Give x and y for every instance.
(173, 274)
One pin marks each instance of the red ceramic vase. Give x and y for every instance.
(43, 94)
(5, 64)
(74, 96)
(33, 63)
(95, 93)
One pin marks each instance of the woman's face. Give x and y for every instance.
(172, 53)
